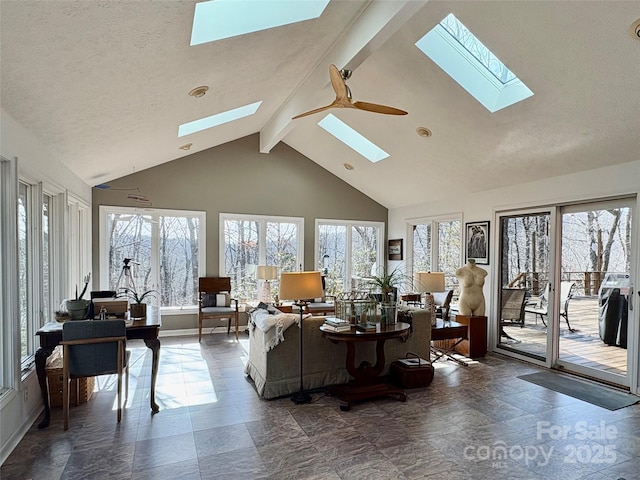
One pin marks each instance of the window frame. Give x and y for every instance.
(105, 210)
(262, 245)
(435, 222)
(9, 328)
(349, 224)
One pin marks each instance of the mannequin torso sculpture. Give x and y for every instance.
(471, 278)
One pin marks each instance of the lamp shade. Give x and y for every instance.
(300, 285)
(429, 281)
(267, 272)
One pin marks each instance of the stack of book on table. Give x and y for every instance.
(336, 324)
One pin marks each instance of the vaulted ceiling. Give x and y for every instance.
(104, 85)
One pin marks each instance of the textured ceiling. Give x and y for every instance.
(104, 86)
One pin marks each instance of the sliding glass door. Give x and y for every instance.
(594, 289)
(565, 288)
(525, 266)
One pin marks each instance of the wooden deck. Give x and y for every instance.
(581, 347)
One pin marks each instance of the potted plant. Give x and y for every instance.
(388, 283)
(137, 309)
(78, 307)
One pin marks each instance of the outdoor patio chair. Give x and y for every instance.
(541, 308)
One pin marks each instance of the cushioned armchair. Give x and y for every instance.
(92, 348)
(216, 302)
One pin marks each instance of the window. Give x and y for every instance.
(251, 240)
(164, 249)
(441, 253)
(348, 252)
(9, 338)
(47, 307)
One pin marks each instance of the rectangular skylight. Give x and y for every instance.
(453, 47)
(352, 139)
(220, 19)
(217, 119)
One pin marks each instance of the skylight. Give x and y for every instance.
(217, 119)
(352, 139)
(458, 52)
(218, 19)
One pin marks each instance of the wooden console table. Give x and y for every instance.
(50, 334)
(366, 382)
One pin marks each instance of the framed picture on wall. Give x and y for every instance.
(395, 249)
(477, 239)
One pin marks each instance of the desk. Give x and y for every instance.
(447, 331)
(366, 382)
(50, 334)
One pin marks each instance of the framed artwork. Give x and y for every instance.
(477, 239)
(395, 249)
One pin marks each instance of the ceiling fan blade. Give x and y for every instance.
(311, 112)
(337, 82)
(374, 107)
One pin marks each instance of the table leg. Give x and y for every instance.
(41, 363)
(366, 382)
(154, 345)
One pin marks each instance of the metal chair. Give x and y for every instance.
(92, 348)
(215, 302)
(542, 307)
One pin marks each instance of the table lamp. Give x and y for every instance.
(429, 282)
(300, 287)
(266, 273)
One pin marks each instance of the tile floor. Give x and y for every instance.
(478, 422)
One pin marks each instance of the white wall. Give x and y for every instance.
(601, 183)
(20, 407)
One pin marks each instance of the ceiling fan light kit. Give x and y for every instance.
(344, 100)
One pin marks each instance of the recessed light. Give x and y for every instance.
(348, 166)
(186, 146)
(199, 91)
(423, 132)
(635, 29)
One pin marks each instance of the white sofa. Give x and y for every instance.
(276, 372)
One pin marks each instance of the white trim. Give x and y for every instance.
(10, 338)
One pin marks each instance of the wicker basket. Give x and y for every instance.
(55, 381)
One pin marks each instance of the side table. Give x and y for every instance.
(366, 382)
(448, 330)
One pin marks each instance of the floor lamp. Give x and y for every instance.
(300, 287)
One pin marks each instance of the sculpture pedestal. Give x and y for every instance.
(476, 344)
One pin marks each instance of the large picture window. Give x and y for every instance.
(251, 240)
(165, 250)
(348, 253)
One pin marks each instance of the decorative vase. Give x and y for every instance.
(388, 313)
(77, 309)
(138, 310)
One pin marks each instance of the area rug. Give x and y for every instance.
(590, 392)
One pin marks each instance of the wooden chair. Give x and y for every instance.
(92, 348)
(215, 302)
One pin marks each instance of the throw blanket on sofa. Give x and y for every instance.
(272, 324)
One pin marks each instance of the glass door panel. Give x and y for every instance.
(594, 290)
(525, 259)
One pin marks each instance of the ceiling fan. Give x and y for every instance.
(343, 97)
